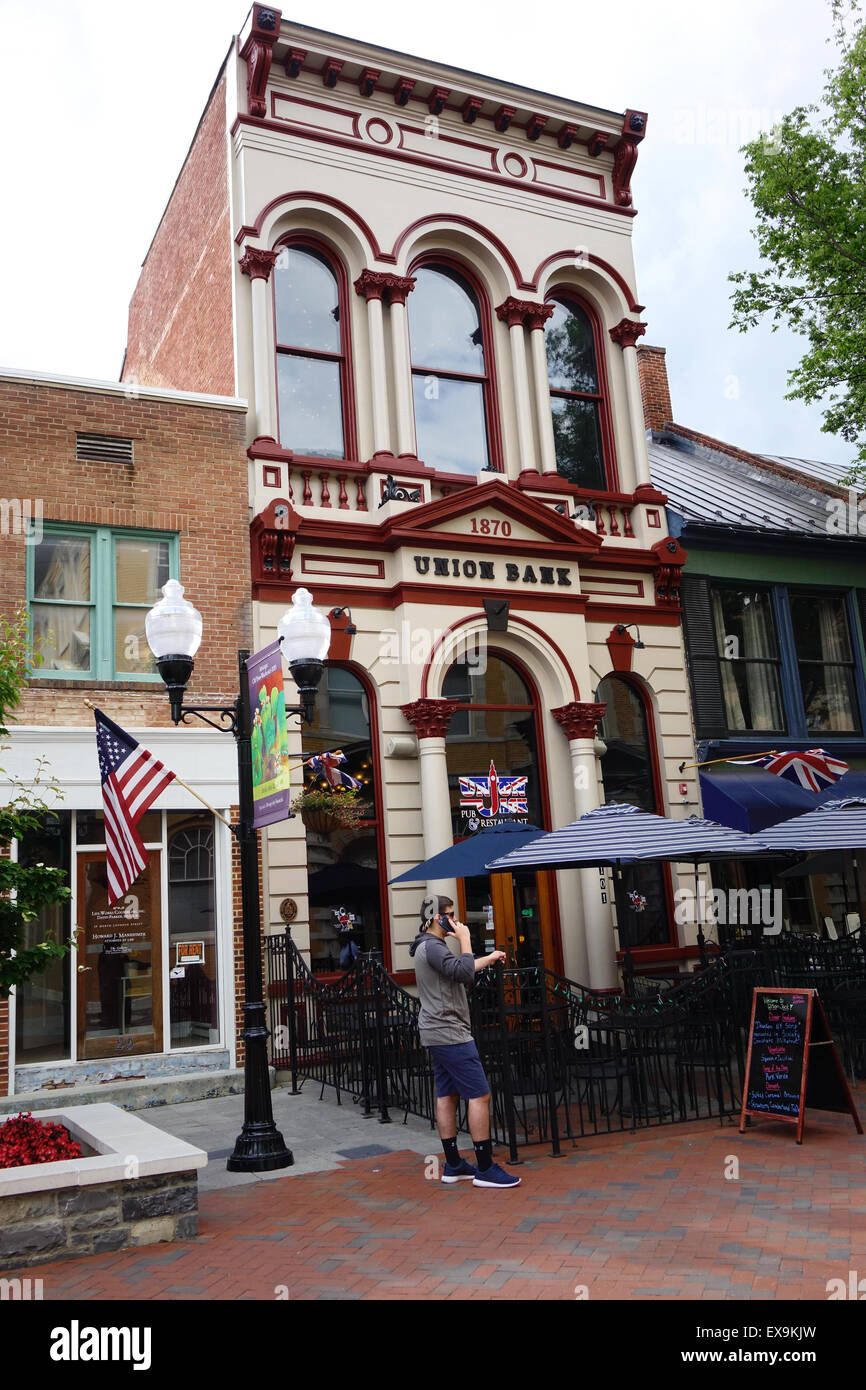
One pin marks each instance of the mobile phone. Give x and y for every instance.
(444, 923)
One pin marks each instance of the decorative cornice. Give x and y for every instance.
(430, 718)
(535, 125)
(437, 99)
(258, 51)
(257, 263)
(403, 89)
(471, 107)
(579, 718)
(523, 311)
(503, 118)
(331, 71)
(566, 136)
(625, 156)
(367, 81)
(383, 284)
(627, 332)
(294, 61)
(596, 143)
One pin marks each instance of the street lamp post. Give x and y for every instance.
(174, 631)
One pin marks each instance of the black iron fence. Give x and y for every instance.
(564, 1062)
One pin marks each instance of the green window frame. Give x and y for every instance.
(102, 603)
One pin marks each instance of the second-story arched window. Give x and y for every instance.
(451, 378)
(312, 359)
(577, 396)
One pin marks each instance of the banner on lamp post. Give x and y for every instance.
(269, 737)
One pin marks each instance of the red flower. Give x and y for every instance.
(24, 1140)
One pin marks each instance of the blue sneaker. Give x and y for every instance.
(461, 1173)
(494, 1176)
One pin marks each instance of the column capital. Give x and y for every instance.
(258, 263)
(430, 718)
(383, 284)
(627, 332)
(519, 311)
(579, 718)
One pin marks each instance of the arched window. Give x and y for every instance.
(343, 861)
(312, 354)
(451, 379)
(628, 775)
(577, 396)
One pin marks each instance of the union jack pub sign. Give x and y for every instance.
(494, 796)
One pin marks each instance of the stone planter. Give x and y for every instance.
(138, 1187)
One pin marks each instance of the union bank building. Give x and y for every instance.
(421, 280)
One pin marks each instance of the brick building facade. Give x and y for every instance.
(125, 487)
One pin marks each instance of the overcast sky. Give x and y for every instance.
(100, 101)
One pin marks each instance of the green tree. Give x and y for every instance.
(806, 182)
(24, 890)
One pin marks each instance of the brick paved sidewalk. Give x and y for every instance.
(650, 1216)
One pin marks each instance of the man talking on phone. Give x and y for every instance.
(443, 979)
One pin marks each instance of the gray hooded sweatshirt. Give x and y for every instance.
(443, 979)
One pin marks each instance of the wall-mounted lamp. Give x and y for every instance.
(350, 628)
(624, 627)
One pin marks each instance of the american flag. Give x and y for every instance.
(507, 795)
(327, 765)
(814, 769)
(132, 779)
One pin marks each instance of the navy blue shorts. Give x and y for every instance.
(458, 1070)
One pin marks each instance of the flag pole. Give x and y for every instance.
(332, 753)
(187, 787)
(733, 758)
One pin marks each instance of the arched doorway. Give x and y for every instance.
(630, 774)
(496, 775)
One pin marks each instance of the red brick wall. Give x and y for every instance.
(180, 315)
(654, 388)
(189, 475)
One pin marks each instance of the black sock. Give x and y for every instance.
(452, 1153)
(484, 1154)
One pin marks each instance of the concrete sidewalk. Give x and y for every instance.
(322, 1135)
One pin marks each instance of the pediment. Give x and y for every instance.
(492, 513)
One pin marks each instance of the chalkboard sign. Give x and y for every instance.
(792, 1060)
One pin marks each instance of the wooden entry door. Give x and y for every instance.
(514, 913)
(120, 988)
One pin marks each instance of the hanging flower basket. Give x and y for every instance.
(323, 811)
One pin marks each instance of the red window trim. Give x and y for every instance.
(310, 241)
(430, 260)
(568, 297)
(379, 823)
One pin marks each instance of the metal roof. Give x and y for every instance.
(815, 468)
(713, 489)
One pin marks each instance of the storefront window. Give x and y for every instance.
(42, 1022)
(192, 940)
(491, 747)
(627, 775)
(343, 861)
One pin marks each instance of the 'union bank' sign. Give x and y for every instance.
(445, 567)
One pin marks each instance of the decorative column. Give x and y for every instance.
(430, 719)
(369, 285)
(579, 720)
(536, 319)
(513, 312)
(626, 333)
(257, 263)
(398, 289)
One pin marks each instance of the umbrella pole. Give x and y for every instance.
(629, 961)
(701, 943)
(856, 888)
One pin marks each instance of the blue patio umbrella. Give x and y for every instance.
(621, 834)
(839, 824)
(469, 858)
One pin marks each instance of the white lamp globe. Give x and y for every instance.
(173, 626)
(304, 631)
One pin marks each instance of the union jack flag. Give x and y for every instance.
(132, 779)
(814, 769)
(507, 795)
(327, 765)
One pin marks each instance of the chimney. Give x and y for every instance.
(654, 389)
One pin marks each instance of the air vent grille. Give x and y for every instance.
(110, 448)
